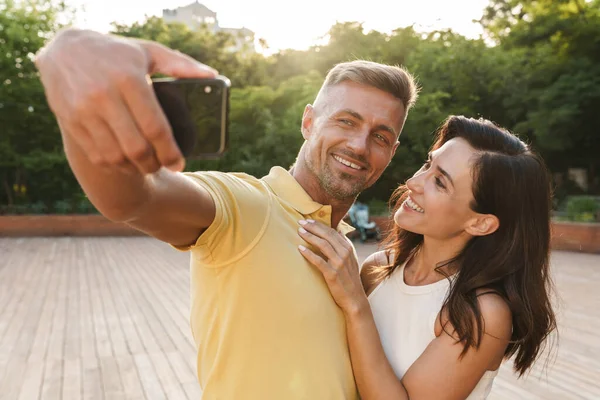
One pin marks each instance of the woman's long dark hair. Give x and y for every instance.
(512, 183)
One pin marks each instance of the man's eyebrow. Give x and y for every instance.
(360, 118)
(353, 113)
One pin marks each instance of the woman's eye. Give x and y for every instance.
(439, 183)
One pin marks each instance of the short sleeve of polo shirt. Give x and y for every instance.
(242, 208)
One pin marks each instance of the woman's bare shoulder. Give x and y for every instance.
(368, 270)
(377, 259)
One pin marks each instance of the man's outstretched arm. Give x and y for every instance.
(116, 137)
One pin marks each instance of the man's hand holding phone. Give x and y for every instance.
(108, 105)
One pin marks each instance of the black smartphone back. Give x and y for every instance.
(198, 112)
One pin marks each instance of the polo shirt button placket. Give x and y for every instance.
(323, 216)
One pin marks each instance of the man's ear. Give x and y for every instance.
(307, 121)
(396, 145)
(483, 224)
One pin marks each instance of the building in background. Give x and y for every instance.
(196, 15)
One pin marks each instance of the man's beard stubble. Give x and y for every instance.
(341, 187)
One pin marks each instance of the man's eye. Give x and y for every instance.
(382, 138)
(346, 121)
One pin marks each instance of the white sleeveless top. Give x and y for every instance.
(405, 317)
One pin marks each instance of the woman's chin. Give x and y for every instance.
(402, 223)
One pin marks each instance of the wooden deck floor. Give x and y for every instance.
(107, 318)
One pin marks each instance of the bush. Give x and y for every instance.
(38, 207)
(582, 208)
(378, 207)
(62, 207)
(21, 209)
(85, 206)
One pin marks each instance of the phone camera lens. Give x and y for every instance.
(207, 89)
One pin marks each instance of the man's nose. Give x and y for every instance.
(358, 143)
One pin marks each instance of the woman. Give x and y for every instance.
(463, 282)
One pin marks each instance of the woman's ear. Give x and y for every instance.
(483, 224)
(307, 121)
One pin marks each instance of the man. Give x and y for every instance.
(262, 318)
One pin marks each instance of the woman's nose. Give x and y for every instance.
(415, 183)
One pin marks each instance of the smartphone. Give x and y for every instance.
(198, 112)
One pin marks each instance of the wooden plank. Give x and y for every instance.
(56, 345)
(104, 318)
(159, 292)
(53, 379)
(11, 310)
(86, 318)
(132, 385)
(150, 381)
(171, 312)
(118, 290)
(111, 379)
(72, 382)
(103, 344)
(92, 379)
(157, 278)
(32, 383)
(53, 374)
(117, 337)
(73, 338)
(20, 334)
(168, 380)
(148, 301)
(185, 375)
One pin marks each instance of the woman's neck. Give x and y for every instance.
(423, 268)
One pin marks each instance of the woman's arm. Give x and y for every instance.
(439, 373)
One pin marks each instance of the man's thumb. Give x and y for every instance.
(174, 63)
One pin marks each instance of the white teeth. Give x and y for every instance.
(347, 163)
(412, 205)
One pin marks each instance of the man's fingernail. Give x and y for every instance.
(302, 222)
(302, 248)
(302, 230)
(310, 220)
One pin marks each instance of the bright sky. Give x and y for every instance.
(298, 24)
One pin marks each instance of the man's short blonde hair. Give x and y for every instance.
(391, 79)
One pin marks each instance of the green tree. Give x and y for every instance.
(536, 73)
(244, 69)
(561, 43)
(30, 145)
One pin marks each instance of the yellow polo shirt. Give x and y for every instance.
(264, 322)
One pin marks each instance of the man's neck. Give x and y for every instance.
(339, 208)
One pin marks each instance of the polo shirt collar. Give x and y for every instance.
(286, 187)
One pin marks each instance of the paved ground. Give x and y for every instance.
(108, 319)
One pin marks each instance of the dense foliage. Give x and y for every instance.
(536, 72)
